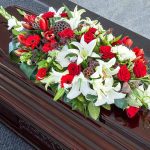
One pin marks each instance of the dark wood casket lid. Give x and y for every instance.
(30, 110)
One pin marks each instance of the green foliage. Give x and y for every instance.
(116, 39)
(94, 111)
(42, 64)
(68, 11)
(107, 106)
(59, 94)
(25, 57)
(21, 12)
(121, 103)
(91, 98)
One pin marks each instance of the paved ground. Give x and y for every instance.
(132, 14)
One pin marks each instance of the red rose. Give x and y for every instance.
(66, 79)
(21, 38)
(132, 111)
(88, 37)
(116, 43)
(66, 33)
(49, 46)
(41, 73)
(29, 18)
(106, 52)
(73, 69)
(32, 41)
(48, 15)
(43, 24)
(92, 30)
(139, 69)
(138, 52)
(64, 15)
(124, 74)
(49, 35)
(127, 41)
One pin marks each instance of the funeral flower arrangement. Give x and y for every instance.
(83, 64)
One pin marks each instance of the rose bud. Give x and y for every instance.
(21, 38)
(49, 35)
(43, 24)
(132, 111)
(27, 26)
(41, 73)
(127, 41)
(19, 52)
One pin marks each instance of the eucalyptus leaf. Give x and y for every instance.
(94, 111)
(59, 94)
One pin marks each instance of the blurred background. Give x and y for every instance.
(132, 14)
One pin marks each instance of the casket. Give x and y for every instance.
(30, 111)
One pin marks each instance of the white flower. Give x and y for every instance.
(105, 69)
(84, 50)
(76, 19)
(123, 53)
(80, 85)
(106, 92)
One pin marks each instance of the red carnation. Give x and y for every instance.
(106, 52)
(49, 35)
(64, 15)
(124, 74)
(132, 111)
(139, 69)
(73, 69)
(48, 15)
(92, 30)
(32, 41)
(43, 24)
(41, 73)
(49, 46)
(138, 52)
(88, 37)
(127, 41)
(66, 79)
(66, 33)
(21, 38)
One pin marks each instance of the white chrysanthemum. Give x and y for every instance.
(123, 53)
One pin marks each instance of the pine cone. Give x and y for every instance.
(93, 64)
(60, 26)
(88, 72)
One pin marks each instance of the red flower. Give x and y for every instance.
(32, 41)
(21, 38)
(64, 15)
(92, 30)
(139, 69)
(124, 74)
(66, 79)
(41, 73)
(43, 24)
(49, 46)
(48, 15)
(73, 69)
(19, 52)
(138, 52)
(127, 41)
(66, 33)
(88, 37)
(132, 111)
(49, 35)
(106, 52)
(29, 18)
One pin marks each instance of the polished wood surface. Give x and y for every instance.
(30, 111)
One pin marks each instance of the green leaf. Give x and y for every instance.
(90, 97)
(59, 94)
(42, 64)
(68, 11)
(16, 33)
(116, 39)
(29, 71)
(57, 65)
(94, 111)
(106, 106)
(121, 103)
(21, 12)
(70, 55)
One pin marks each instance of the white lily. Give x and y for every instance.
(84, 50)
(106, 92)
(123, 53)
(80, 85)
(76, 19)
(105, 69)
(57, 13)
(55, 77)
